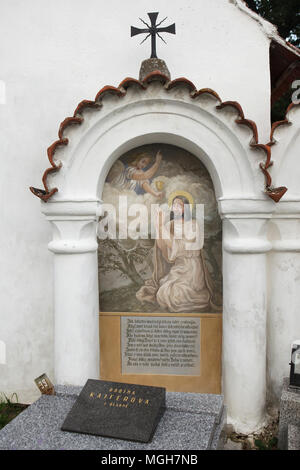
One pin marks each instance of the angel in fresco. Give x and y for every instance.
(137, 175)
(180, 281)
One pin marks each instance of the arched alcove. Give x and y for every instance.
(200, 128)
(285, 141)
(173, 113)
(170, 302)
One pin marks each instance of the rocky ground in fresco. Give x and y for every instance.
(265, 439)
(126, 296)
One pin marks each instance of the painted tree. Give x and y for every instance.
(115, 257)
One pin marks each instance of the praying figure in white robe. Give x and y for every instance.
(180, 281)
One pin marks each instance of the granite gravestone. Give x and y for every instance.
(118, 410)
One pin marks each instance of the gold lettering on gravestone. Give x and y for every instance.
(120, 398)
(160, 345)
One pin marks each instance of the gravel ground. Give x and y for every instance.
(265, 439)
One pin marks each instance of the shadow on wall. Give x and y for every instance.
(2, 352)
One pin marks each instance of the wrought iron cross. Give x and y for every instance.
(152, 31)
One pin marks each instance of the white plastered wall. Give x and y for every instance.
(54, 54)
(284, 259)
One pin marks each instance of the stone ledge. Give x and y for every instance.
(293, 437)
(289, 413)
(38, 427)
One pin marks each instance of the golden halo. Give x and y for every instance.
(185, 194)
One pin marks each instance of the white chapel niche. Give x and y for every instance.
(143, 275)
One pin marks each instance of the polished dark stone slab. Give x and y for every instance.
(119, 410)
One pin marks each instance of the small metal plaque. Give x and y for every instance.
(45, 385)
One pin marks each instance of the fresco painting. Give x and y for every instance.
(158, 271)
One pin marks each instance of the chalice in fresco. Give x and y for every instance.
(159, 185)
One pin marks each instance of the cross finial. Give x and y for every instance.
(153, 30)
